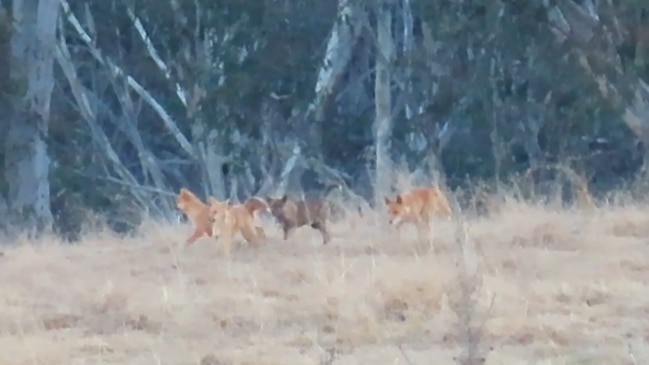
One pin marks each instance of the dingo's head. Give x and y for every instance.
(217, 207)
(187, 201)
(276, 206)
(397, 210)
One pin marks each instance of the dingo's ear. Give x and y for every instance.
(284, 198)
(399, 200)
(387, 200)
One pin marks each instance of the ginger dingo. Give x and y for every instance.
(418, 206)
(197, 212)
(229, 219)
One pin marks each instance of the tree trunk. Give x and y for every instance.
(212, 160)
(26, 158)
(343, 37)
(383, 100)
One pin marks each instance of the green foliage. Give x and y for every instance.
(505, 52)
(493, 70)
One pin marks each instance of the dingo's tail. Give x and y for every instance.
(255, 204)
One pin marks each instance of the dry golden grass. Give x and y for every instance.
(556, 287)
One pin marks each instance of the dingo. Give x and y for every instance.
(418, 206)
(292, 214)
(232, 218)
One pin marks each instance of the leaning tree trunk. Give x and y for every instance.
(344, 34)
(382, 99)
(31, 74)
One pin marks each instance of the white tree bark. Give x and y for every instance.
(115, 70)
(206, 143)
(383, 99)
(290, 165)
(87, 112)
(344, 34)
(408, 45)
(26, 158)
(212, 156)
(155, 56)
(190, 98)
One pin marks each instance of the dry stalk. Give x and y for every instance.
(464, 301)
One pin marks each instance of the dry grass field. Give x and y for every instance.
(548, 287)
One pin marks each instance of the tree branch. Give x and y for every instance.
(117, 71)
(155, 56)
(344, 34)
(62, 57)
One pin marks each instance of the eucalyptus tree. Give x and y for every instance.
(30, 32)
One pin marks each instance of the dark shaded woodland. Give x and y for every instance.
(109, 107)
